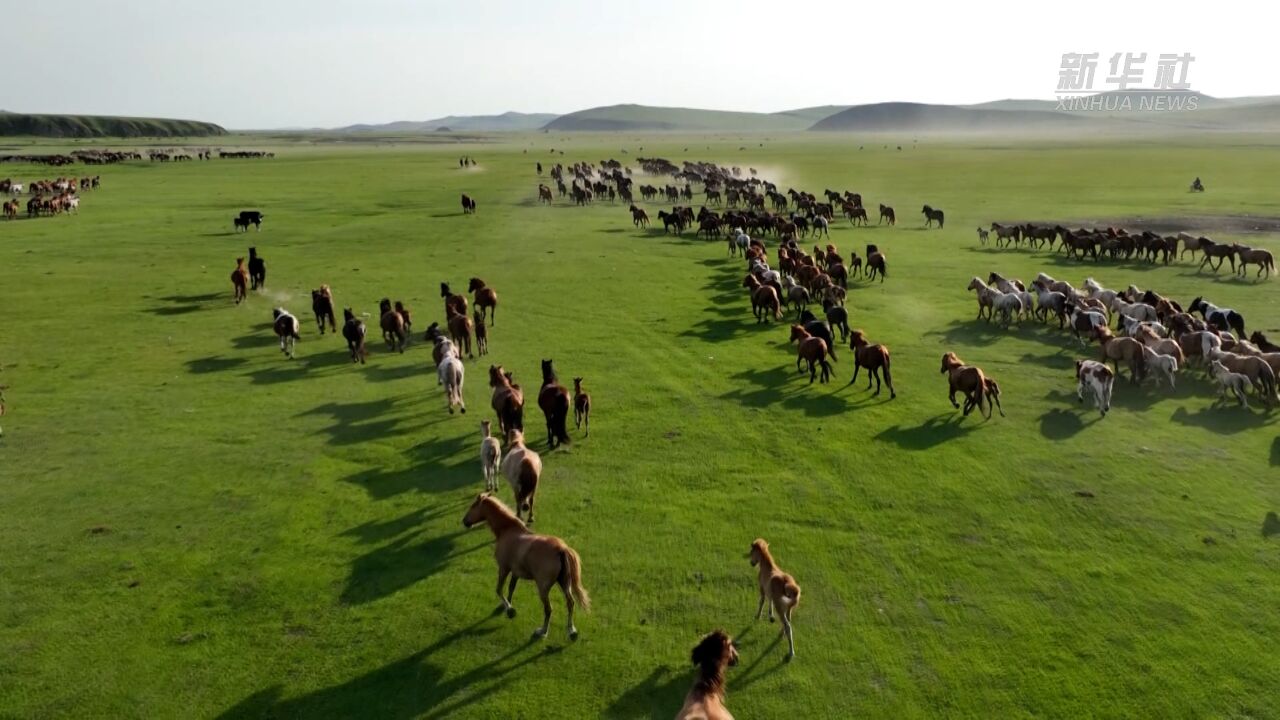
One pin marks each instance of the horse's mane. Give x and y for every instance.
(711, 655)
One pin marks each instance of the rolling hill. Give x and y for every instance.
(919, 117)
(667, 119)
(92, 126)
(506, 122)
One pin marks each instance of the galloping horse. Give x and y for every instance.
(931, 216)
(452, 303)
(966, 379)
(886, 215)
(485, 297)
(353, 330)
(872, 357)
(240, 280)
(286, 328)
(507, 401)
(553, 398)
(705, 700)
(812, 350)
(392, 324)
(257, 270)
(322, 306)
(468, 205)
(521, 554)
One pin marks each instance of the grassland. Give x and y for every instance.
(195, 526)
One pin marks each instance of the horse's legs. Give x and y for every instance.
(760, 605)
(813, 372)
(543, 595)
(505, 601)
(568, 606)
(855, 368)
(786, 629)
(874, 372)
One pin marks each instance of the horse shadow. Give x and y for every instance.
(378, 531)
(1275, 452)
(288, 371)
(931, 433)
(728, 328)
(409, 687)
(401, 564)
(658, 696)
(389, 373)
(261, 336)
(1225, 419)
(1060, 424)
(184, 304)
(428, 472)
(971, 332)
(357, 422)
(752, 673)
(214, 364)
(769, 387)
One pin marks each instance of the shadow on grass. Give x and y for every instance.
(1225, 419)
(972, 332)
(403, 563)
(214, 364)
(185, 304)
(406, 688)
(931, 433)
(1059, 424)
(658, 696)
(427, 472)
(358, 422)
(1275, 452)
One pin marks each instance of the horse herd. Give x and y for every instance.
(47, 197)
(1153, 335)
(1120, 244)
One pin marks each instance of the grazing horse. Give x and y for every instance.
(257, 270)
(354, 332)
(468, 205)
(485, 297)
(392, 324)
(581, 407)
(1261, 258)
(872, 357)
(1222, 318)
(1099, 379)
(460, 328)
(812, 350)
(322, 306)
(490, 457)
(886, 215)
(453, 303)
(931, 216)
(967, 379)
(522, 468)
(507, 401)
(286, 328)
(240, 280)
(777, 588)
(705, 700)
(544, 559)
(553, 398)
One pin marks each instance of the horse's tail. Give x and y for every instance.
(888, 378)
(791, 593)
(571, 577)
(982, 397)
(560, 421)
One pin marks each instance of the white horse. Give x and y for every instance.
(1166, 365)
(450, 373)
(739, 242)
(1098, 292)
(1237, 383)
(1138, 311)
(444, 348)
(286, 327)
(1131, 326)
(490, 457)
(16, 188)
(1099, 379)
(73, 204)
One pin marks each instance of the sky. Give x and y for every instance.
(328, 63)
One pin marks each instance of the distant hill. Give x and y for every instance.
(506, 122)
(918, 117)
(646, 117)
(93, 126)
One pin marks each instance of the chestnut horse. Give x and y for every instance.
(764, 299)
(873, 358)
(812, 350)
(522, 555)
(392, 324)
(322, 306)
(460, 327)
(240, 280)
(581, 407)
(452, 303)
(553, 398)
(705, 700)
(966, 379)
(507, 401)
(485, 297)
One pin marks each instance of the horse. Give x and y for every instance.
(1099, 379)
(776, 587)
(967, 379)
(1213, 250)
(392, 324)
(460, 327)
(1166, 365)
(711, 656)
(286, 328)
(1261, 258)
(764, 299)
(554, 400)
(1116, 349)
(468, 205)
(1237, 383)
(1257, 338)
(544, 194)
(1257, 369)
(240, 281)
(581, 407)
(1222, 318)
(322, 306)
(482, 333)
(812, 350)
(353, 330)
(931, 216)
(838, 318)
(257, 270)
(453, 303)
(408, 319)
(485, 297)
(886, 215)
(507, 401)
(875, 266)
(982, 236)
(521, 554)
(451, 374)
(872, 357)
(490, 457)
(522, 468)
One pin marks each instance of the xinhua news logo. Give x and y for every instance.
(1123, 89)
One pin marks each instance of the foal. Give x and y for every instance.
(522, 467)
(779, 588)
(482, 333)
(705, 700)
(581, 407)
(544, 559)
(490, 457)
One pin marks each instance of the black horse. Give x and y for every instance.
(554, 400)
(257, 270)
(353, 330)
(931, 216)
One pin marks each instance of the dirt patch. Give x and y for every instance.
(1193, 224)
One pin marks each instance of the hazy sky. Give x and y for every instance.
(276, 63)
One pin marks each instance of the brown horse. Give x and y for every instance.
(873, 358)
(485, 297)
(581, 407)
(240, 280)
(777, 588)
(522, 468)
(460, 331)
(520, 554)
(966, 379)
(453, 303)
(322, 306)
(408, 319)
(1261, 258)
(705, 700)
(553, 398)
(764, 299)
(875, 266)
(353, 331)
(392, 324)
(507, 401)
(1128, 349)
(812, 350)
(1257, 338)
(482, 333)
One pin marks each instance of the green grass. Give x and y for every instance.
(195, 526)
(101, 126)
